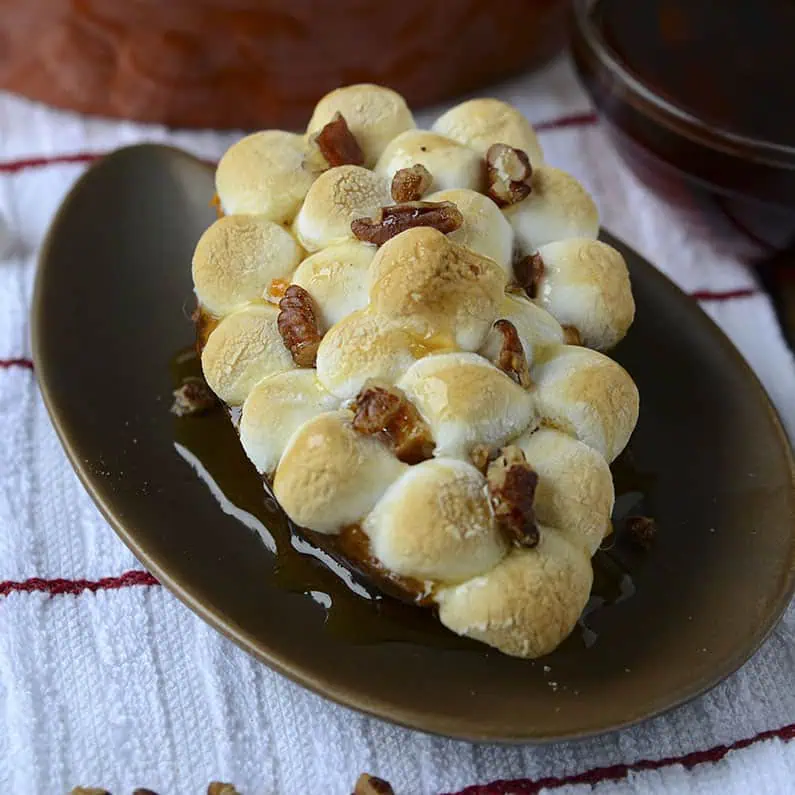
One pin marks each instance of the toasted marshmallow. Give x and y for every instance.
(485, 229)
(331, 476)
(367, 345)
(275, 409)
(586, 394)
(421, 273)
(585, 284)
(264, 174)
(338, 196)
(575, 488)
(450, 164)
(435, 523)
(535, 326)
(244, 348)
(479, 123)
(528, 603)
(557, 208)
(374, 114)
(337, 278)
(466, 401)
(238, 257)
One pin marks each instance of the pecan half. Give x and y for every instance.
(529, 273)
(397, 218)
(512, 486)
(338, 144)
(511, 359)
(193, 397)
(372, 785)
(409, 184)
(508, 172)
(641, 531)
(297, 324)
(384, 411)
(571, 336)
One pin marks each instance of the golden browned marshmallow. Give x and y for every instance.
(557, 208)
(535, 326)
(245, 347)
(588, 395)
(238, 257)
(337, 197)
(275, 409)
(366, 345)
(337, 278)
(435, 523)
(331, 476)
(264, 174)
(479, 123)
(575, 488)
(585, 284)
(423, 274)
(374, 114)
(467, 401)
(451, 165)
(528, 603)
(485, 229)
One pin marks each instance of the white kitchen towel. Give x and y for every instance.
(107, 680)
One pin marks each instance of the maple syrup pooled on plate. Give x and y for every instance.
(361, 606)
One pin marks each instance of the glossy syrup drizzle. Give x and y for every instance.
(309, 563)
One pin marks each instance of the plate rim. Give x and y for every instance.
(341, 694)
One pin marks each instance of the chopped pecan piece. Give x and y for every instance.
(571, 336)
(397, 218)
(641, 531)
(509, 173)
(384, 411)
(220, 788)
(193, 397)
(512, 486)
(529, 273)
(338, 144)
(511, 359)
(372, 785)
(409, 184)
(298, 325)
(143, 791)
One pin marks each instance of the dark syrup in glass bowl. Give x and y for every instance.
(699, 91)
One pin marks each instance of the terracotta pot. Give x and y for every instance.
(250, 64)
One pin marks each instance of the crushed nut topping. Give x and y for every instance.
(641, 531)
(481, 455)
(372, 785)
(511, 359)
(297, 324)
(397, 218)
(338, 144)
(512, 486)
(409, 184)
(509, 173)
(193, 397)
(529, 273)
(571, 336)
(384, 411)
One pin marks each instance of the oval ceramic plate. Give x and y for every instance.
(708, 460)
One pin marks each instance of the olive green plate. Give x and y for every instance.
(709, 461)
